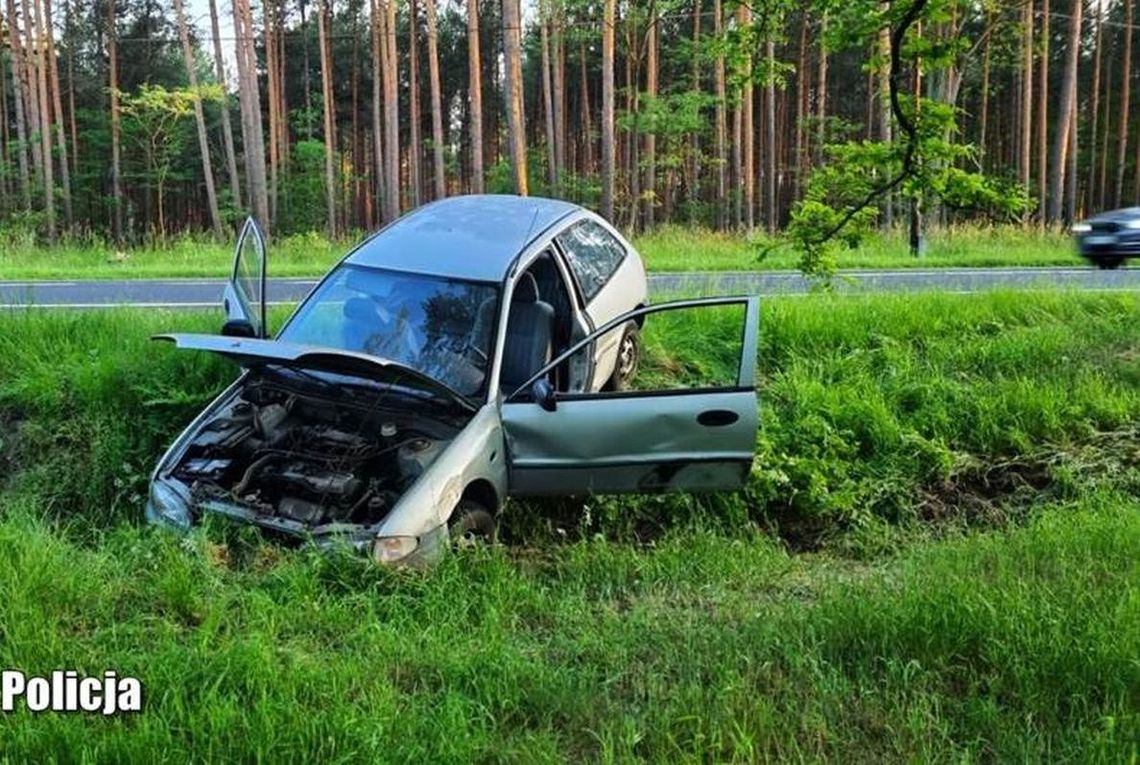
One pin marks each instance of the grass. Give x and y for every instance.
(667, 249)
(960, 469)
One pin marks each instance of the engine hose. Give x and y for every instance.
(247, 476)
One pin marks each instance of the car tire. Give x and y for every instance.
(628, 359)
(471, 523)
(1108, 262)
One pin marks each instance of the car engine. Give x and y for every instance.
(310, 458)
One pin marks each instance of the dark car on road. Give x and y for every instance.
(1110, 238)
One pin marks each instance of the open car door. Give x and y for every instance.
(688, 423)
(244, 299)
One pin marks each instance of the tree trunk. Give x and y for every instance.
(1125, 95)
(1025, 163)
(113, 87)
(199, 118)
(983, 120)
(391, 112)
(587, 165)
(1094, 112)
(269, 15)
(415, 151)
(323, 17)
(1102, 181)
(801, 107)
(885, 116)
(1043, 119)
(558, 54)
(747, 127)
(693, 182)
(821, 92)
(650, 194)
(45, 122)
(377, 99)
(22, 132)
(547, 98)
(48, 40)
(253, 139)
(436, 107)
(771, 148)
(512, 61)
(721, 123)
(227, 129)
(475, 96)
(608, 21)
(68, 33)
(1064, 114)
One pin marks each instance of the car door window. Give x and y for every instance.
(593, 254)
(684, 347)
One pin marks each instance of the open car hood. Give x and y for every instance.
(252, 352)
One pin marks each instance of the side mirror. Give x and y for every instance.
(544, 394)
(238, 328)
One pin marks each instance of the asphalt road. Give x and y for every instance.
(201, 293)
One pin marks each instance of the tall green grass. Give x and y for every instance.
(703, 639)
(872, 408)
(1012, 646)
(667, 249)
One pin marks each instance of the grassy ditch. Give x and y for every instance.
(659, 628)
(667, 249)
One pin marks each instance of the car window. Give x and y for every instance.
(684, 349)
(594, 254)
(441, 327)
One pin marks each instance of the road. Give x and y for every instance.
(201, 293)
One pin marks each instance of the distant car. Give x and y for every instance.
(1110, 238)
(476, 348)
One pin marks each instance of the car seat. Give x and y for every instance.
(528, 343)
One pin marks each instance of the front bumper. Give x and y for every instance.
(430, 547)
(1096, 243)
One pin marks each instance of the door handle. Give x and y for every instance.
(717, 418)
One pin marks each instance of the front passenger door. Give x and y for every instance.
(244, 298)
(689, 421)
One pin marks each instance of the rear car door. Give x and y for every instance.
(689, 423)
(244, 298)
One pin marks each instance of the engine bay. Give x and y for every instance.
(278, 449)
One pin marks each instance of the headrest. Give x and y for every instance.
(360, 309)
(526, 289)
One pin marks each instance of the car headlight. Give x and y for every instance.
(168, 506)
(1133, 224)
(1081, 228)
(393, 549)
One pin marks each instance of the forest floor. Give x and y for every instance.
(935, 559)
(667, 249)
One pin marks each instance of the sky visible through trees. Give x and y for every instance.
(338, 115)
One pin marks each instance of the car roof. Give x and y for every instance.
(473, 237)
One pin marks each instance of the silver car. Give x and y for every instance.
(478, 348)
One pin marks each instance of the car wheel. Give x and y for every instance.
(628, 358)
(1108, 262)
(470, 524)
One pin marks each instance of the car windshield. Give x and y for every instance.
(438, 326)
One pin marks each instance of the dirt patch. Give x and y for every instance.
(992, 492)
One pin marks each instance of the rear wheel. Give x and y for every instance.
(470, 524)
(628, 358)
(1108, 262)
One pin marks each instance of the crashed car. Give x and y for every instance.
(478, 348)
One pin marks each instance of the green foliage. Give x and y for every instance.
(303, 189)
